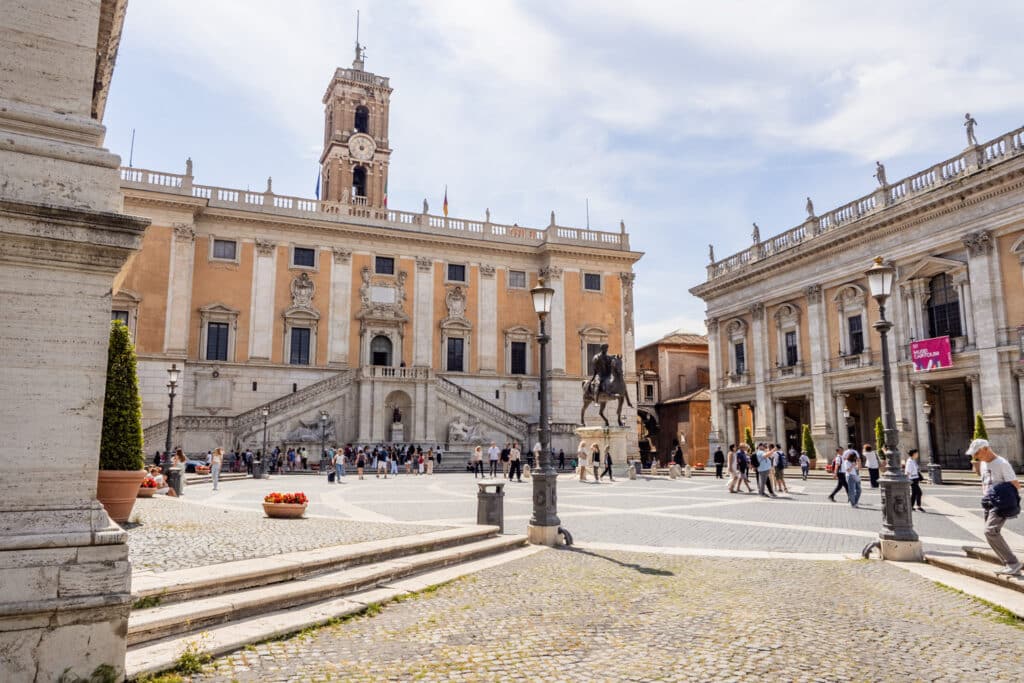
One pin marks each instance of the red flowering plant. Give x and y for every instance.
(287, 498)
(149, 483)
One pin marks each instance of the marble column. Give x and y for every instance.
(629, 360)
(179, 294)
(261, 327)
(819, 366)
(963, 284)
(759, 341)
(987, 300)
(730, 425)
(553, 278)
(64, 572)
(923, 444)
(423, 313)
(976, 404)
(714, 371)
(487, 328)
(780, 423)
(340, 307)
(842, 434)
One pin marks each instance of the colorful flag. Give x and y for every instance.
(385, 193)
(317, 191)
(445, 206)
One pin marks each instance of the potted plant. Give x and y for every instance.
(807, 445)
(285, 505)
(979, 433)
(147, 488)
(121, 459)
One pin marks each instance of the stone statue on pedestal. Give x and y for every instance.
(606, 384)
(969, 124)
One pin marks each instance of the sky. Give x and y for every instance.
(687, 120)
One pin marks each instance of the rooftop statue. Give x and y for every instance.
(969, 124)
(880, 174)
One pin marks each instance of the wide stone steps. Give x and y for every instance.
(160, 655)
(145, 625)
(188, 584)
(979, 563)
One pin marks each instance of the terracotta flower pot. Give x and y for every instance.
(145, 493)
(117, 490)
(284, 510)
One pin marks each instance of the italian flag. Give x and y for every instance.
(444, 207)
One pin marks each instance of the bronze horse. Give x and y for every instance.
(616, 389)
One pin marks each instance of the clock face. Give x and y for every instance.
(362, 146)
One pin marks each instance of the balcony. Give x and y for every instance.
(788, 371)
(737, 379)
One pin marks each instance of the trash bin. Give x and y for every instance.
(490, 507)
(175, 479)
(639, 465)
(257, 469)
(935, 472)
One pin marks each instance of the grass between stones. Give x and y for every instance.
(999, 614)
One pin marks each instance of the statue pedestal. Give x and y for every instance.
(397, 432)
(615, 437)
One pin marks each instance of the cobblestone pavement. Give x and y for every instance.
(169, 533)
(694, 513)
(609, 616)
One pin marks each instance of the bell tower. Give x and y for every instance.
(354, 163)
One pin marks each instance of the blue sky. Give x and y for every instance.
(687, 120)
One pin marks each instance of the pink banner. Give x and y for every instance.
(931, 354)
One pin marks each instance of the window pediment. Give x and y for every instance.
(850, 293)
(787, 313)
(218, 309)
(931, 266)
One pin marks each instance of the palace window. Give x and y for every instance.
(517, 358)
(217, 341)
(119, 315)
(226, 250)
(943, 308)
(649, 393)
(592, 282)
(384, 265)
(362, 120)
(456, 272)
(300, 342)
(304, 257)
(359, 181)
(456, 355)
(791, 349)
(380, 351)
(739, 350)
(855, 328)
(517, 279)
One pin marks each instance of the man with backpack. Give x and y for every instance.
(763, 463)
(1000, 491)
(839, 475)
(742, 465)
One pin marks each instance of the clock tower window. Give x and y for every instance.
(362, 120)
(359, 181)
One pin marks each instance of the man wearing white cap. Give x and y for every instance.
(996, 470)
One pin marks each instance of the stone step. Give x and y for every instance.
(206, 478)
(161, 655)
(145, 625)
(975, 568)
(196, 582)
(985, 553)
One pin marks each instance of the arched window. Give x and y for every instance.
(362, 122)
(943, 308)
(380, 351)
(359, 181)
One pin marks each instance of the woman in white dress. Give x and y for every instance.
(582, 459)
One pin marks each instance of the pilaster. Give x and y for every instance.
(820, 428)
(553, 278)
(179, 294)
(759, 341)
(487, 329)
(261, 329)
(423, 313)
(986, 297)
(340, 307)
(714, 372)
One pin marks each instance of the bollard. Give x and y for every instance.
(490, 507)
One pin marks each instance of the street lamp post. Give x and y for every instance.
(172, 383)
(544, 523)
(846, 425)
(323, 437)
(934, 469)
(898, 539)
(257, 467)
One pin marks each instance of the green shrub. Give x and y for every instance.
(979, 427)
(807, 443)
(121, 438)
(879, 435)
(748, 437)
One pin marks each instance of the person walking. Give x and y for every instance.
(743, 468)
(1000, 491)
(216, 460)
(871, 462)
(607, 464)
(839, 475)
(805, 465)
(339, 465)
(719, 462)
(561, 459)
(505, 466)
(852, 466)
(360, 461)
(430, 460)
(595, 460)
(493, 453)
(515, 463)
(581, 460)
(780, 470)
(764, 469)
(477, 460)
(913, 471)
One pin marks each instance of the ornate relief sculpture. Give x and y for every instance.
(302, 291)
(455, 300)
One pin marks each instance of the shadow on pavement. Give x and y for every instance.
(628, 565)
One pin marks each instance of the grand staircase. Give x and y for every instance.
(514, 427)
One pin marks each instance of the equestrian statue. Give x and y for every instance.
(606, 384)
